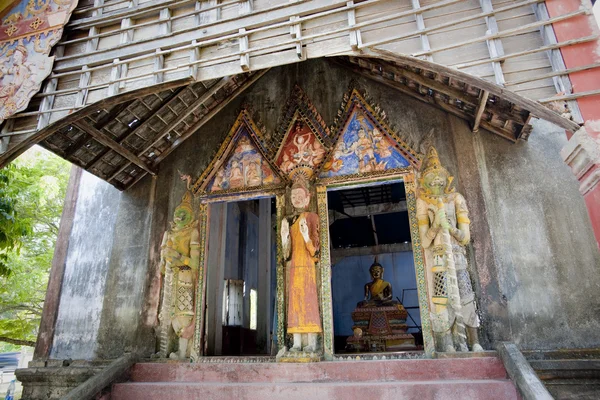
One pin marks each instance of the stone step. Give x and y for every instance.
(337, 371)
(415, 390)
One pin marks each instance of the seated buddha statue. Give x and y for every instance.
(379, 321)
(378, 293)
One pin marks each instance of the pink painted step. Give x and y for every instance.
(424, 390)
(443, 379)
(337, 371)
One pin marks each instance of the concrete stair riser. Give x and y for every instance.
(339, 371)
(445, 379)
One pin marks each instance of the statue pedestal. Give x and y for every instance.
(380, 329)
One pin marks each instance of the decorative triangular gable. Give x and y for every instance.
(240, 164)
(301, 147)
(303, 138)
(365, 144)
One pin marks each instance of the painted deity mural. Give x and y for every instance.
(361, 148)
(301, 147)
(245, 168)
(28, 31)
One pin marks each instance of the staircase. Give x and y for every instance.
(568, 374)
(423, 379)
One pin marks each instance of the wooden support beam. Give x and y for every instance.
(494, 45)
(116, 147)
(363, 211)
(501, 34)
(527, 52)
(431, 100)
(572, 96)
(534, 107)
(198, 124)
(199, 101)
(480, 109)
(447, 90)
(553, 74)
(82, 113)
(339, 254)
(136, 131)
(562, 83)
(416, 4)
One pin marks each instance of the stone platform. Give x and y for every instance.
(476, 378)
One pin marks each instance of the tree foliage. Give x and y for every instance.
(36, 188)
(12, 228)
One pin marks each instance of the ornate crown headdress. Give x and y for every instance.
(432, 164)
(186, 202)
(301, 172)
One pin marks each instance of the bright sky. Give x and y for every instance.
(597, 11)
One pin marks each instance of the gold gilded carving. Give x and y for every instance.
(29, 30)
(444, 231)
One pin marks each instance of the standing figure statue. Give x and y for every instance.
(444, 231)
(300, 240)
(179, 260)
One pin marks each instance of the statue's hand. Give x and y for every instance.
(304, 229)
(440, 218)
(285, 231)
(445, 224)
(170, 254)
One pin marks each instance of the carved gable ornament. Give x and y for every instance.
(303, 136)
(365, 145)
(28, 30)
(241, 164)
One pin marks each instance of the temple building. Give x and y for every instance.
(327, 199)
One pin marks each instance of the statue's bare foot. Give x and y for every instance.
(477, 348)
(450, 349)
(174, 356)
(310, 349)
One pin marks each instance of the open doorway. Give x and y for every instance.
(240, 283)
(369, 225)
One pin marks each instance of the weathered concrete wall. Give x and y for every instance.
(547, 260)
(86, 270)
(533, 254)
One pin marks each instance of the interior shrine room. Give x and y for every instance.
(368, 225)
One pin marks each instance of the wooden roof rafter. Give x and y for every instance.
(122, 141)
(482, 103)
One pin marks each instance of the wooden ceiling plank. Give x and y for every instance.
(214, 111)
(197, 103)
(108, 142)
(138, 129)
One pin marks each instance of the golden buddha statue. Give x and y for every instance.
(377, 292)
(379, 321)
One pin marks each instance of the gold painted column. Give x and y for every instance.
(203, 218)
(325, 269)
(411, 205)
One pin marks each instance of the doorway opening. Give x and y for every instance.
(369, 225)
(240, 279)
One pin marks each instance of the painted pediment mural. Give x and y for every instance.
(241, 164)
(301, 147)
(365, 144)
(29, 29)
